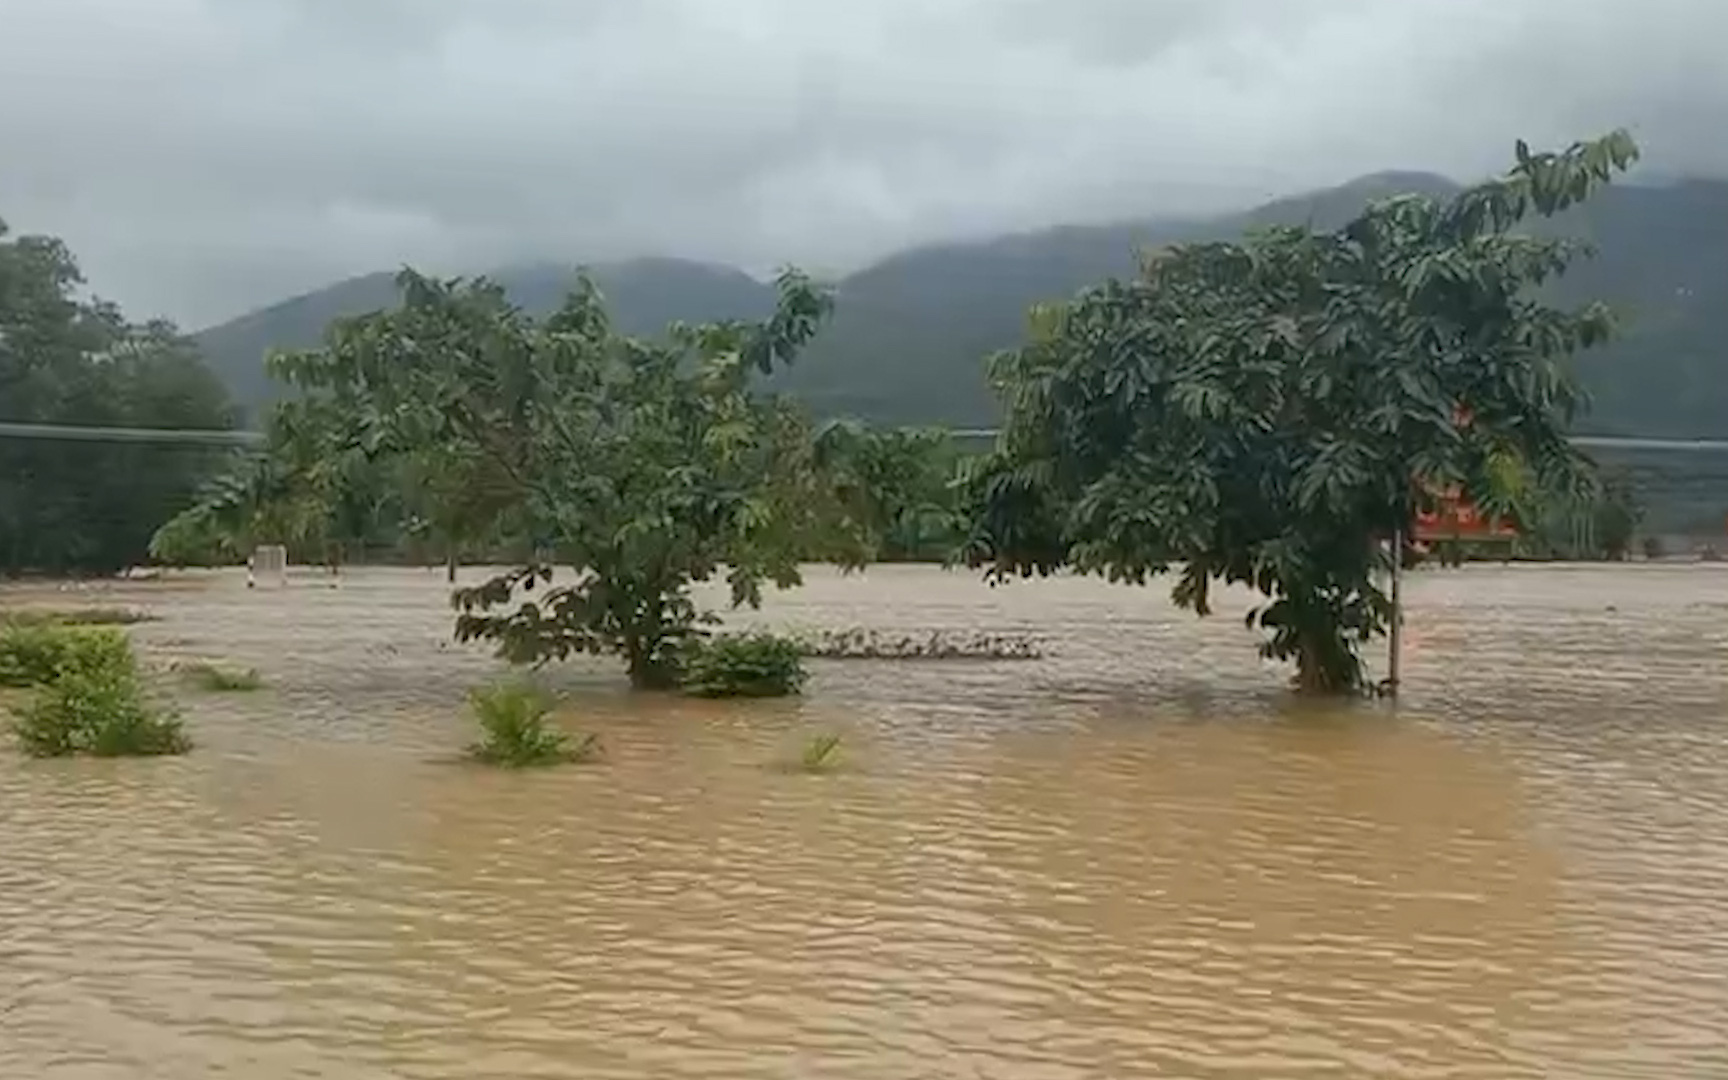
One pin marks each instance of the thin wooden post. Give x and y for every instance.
(1395, 647)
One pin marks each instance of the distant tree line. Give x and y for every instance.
(91, 507)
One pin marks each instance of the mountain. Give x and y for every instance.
(644, 295)
(910, 333)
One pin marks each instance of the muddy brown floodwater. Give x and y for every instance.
(1131, 858)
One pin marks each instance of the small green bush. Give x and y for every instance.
(95, 704)
(220, 680)
(516, 731)
(756, 664)
(35, 654)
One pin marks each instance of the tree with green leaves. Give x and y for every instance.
(91, 507)
(1272, 411)
(1599, 524)
(897, 483)
(640, 467)
(306, 488)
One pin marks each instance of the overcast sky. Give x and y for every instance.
(207, 156)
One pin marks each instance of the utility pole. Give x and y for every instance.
(1395, 646)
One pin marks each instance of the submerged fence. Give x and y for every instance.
(1679, 485)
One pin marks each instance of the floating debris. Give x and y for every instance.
(859, 643)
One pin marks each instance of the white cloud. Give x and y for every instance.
(204, 156)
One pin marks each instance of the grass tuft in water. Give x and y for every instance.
(821, 754)
(220, 680)
(94, 704)
(517, 731)
(93, 616)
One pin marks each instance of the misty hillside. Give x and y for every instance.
(910, 333)
(643, 295)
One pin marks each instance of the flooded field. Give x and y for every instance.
(1131, 858)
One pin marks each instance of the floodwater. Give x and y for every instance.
(1134, 857)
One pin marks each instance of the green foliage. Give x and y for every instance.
(644, 466)
(1267, 412)
(94, 703)
(900, 484)
(308, 488)
(517, 731)
(221, 680)
(91, 507)
(36, 653)
(756, 664)
(1596, 524)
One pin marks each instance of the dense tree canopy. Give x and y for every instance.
(69, 506)
(898, 484)
(307, 488)
(1270, 411)
(644, 467)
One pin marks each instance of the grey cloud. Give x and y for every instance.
(204, 156)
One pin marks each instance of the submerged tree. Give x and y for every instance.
(645, 467)
(1269, 412)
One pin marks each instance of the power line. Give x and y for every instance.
(230, 437)
(75, 433)
(1594, 442)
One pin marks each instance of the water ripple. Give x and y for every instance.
(1133, 858)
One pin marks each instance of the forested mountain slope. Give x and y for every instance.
(910, 334)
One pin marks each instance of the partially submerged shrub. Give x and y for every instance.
(35, 654)
(95, 704)
(29, 654)
(756, 664)
(516, 728)
(100, 616)
(95, 616)
(859, 643)
(220, 680)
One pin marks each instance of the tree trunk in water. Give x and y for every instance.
(1325, 666)
(648, 667)
(450, 566)
(1310, 670)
